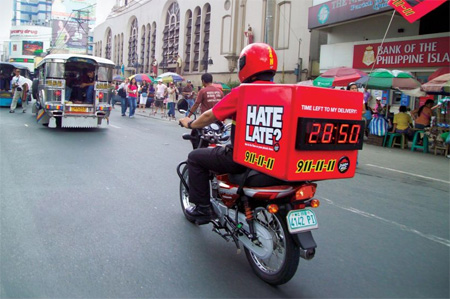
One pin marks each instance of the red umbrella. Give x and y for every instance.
(439, 85)
(439, 72)
(340, 76)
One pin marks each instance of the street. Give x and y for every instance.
(96, 214)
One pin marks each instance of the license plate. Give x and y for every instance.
(301, 220)
(78, 109)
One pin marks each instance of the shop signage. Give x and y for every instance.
(25, 60)
(336, 11)
(412, 53)
(412, 10)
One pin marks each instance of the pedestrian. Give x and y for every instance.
(123, 93)
(259, 65)
(208, 96)
(20, 88)
(151, 98)
(422, 115)
(165, 102)
(144, 95)
(188, 94)
(112, 93)
(172, 92)
(160, 94)
(403, 123)
(132, 96)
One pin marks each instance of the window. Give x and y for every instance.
(108, 45)
(171, 37)
(206, 30)
(153, 48)
(196, 44)
(187, 52)
(147, 68)
(141, 62)
(133, 44)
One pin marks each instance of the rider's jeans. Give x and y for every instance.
(200, 161)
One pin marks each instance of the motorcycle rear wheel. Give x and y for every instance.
(184, 194)
(281, 266)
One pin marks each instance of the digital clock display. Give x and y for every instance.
(329, 134)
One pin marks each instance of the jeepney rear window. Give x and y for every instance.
(54, 70)
(104, 74)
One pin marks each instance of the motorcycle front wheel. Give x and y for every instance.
(281, 266)
(184, 194)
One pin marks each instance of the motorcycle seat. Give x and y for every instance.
(256, 179)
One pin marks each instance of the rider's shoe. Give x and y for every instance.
(200, 214)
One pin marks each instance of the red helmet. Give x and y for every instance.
(257, 58)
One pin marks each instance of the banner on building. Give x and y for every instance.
(430, 52)
(412, 10)
(70, 36)
(336, 11)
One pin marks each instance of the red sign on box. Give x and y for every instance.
(297, 133)
(413, 10)
(411, 53)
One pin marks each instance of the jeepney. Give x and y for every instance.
(63, 100)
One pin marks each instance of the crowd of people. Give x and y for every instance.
(162, 98)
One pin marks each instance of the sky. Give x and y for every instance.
(6, 13)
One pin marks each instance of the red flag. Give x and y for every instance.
(413, 10)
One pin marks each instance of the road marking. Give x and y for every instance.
(412, 174)
(114, 126)
(401, 226)
(26, 125)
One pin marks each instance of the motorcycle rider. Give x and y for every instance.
(257, 65)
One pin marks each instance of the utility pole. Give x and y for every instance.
(83, 18)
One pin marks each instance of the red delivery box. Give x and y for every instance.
(298, 133)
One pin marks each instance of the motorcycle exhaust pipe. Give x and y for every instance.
(307, 254)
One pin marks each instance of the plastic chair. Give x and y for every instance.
(403, 141)
(416, 139)
(389, 138)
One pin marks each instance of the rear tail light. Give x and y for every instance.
(272, 208)
(306, 191)
(315, 203)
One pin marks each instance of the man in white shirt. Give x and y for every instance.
(20, 87)
(160, 94)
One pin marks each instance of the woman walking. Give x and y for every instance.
(144, 95)
(132, 96)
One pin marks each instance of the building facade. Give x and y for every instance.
(350, 32)
(208, 36)
(31, 12)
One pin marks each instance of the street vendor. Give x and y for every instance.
(422, 115)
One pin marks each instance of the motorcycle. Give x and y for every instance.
(255, 210)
